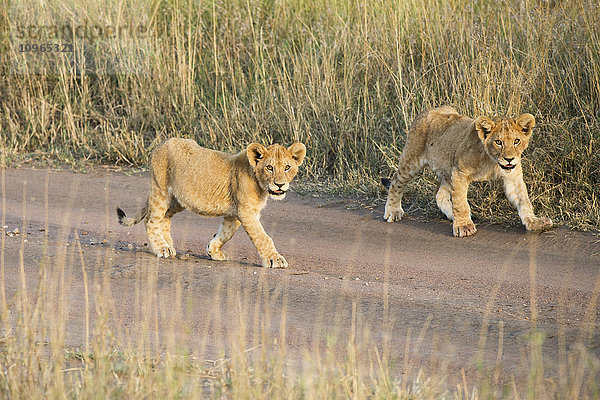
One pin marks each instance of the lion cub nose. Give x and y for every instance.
(280, 185)
(509, 159)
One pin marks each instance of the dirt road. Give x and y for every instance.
(394, 283)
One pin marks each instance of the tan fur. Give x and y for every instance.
(461, 150)
(211, 183)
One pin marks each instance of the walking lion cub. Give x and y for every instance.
(461, 150)
(211, 183)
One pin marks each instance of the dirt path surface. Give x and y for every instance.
(408, 285)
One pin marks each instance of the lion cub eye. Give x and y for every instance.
(517, 141)
(498, 142)
(287, 167)
(269, 168)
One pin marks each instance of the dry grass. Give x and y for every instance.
(346, 78)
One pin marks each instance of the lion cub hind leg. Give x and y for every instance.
(443, 198)
(157, 226)
(225, 232)
(174, 208)
(407, 169)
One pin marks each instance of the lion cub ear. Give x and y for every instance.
(484, 126)
(526, 122)
(255, 153)
(298, 151)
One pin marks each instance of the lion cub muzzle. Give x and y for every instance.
(508, 166)
(278, 190)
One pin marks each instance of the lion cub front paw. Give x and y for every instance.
(539, 224)
(277, 261)
(220, 255)
(165, 252)
(464, 229)
(393, 214)
(217, 254)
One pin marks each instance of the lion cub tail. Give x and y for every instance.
(128, 221)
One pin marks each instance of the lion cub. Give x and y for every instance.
(461, 150)
(214, 184)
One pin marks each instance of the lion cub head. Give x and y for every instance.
(275, 166)
(505, 139)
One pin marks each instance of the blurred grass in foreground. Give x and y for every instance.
(346, 78)
(66, 338)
